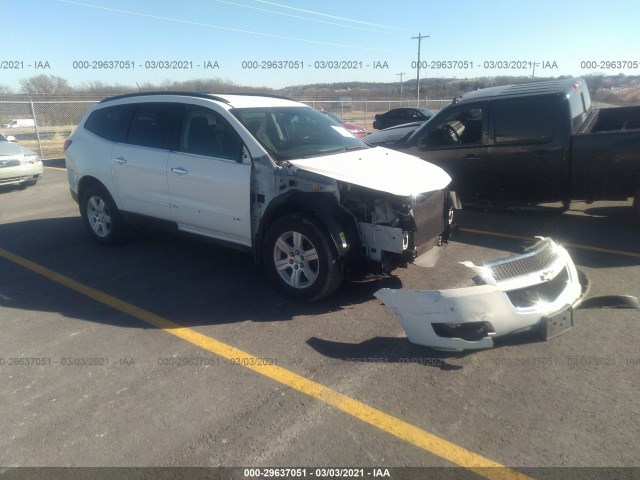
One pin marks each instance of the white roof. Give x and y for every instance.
(256, 101)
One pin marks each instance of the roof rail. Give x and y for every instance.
(184, 94)
(206, 95)
(269, 95)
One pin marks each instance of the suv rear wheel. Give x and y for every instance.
(300, 258)
(101, 216)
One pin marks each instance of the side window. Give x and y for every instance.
(153, 124)
(461, 126)
(521, 121)
(110, 123)
(205, 132)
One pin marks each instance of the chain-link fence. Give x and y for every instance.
(43, 125)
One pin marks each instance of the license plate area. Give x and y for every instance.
(557, 324)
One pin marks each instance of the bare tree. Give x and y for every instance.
(99, 87)
(45, 84)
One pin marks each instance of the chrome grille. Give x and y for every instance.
(543, 292)
(535, 261)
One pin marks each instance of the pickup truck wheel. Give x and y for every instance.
(636, 206)
(101, 216)
(300, 258)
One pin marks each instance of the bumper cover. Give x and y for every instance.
(537, 289)
(18, 173)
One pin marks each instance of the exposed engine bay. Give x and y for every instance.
(392, 227)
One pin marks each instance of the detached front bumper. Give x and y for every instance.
(536, 290)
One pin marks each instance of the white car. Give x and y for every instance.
(18, 164)
(265, 174)
(20, 123)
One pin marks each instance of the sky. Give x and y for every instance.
(285, 42)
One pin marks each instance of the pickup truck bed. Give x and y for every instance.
(605, 155)
(612, 119)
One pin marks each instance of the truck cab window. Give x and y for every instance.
(527, 121)
(462, 126)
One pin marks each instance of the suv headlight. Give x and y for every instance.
(33, 158)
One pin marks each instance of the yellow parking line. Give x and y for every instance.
(377, 418)
(56, 168)
(567, 245)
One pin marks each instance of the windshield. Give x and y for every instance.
(290, 133)
(333, 117)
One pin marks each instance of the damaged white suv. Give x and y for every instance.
(264, 174)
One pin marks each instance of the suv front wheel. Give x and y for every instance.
(101, 216)
(300, 258)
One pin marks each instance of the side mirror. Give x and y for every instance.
(10, 138)
(424, 143)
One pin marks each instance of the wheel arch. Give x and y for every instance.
(85, 182)
(324, 208)
(88, 180)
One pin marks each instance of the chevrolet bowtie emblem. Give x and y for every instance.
(546, 276)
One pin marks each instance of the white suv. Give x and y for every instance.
(265, 174)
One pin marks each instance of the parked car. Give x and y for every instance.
(392, 135)
(355, 130)
(533, 143)
(400, 116)
(263, 174)
(18, 164)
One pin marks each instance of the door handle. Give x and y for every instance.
(179, 170)
(120, 160)
(473, 158)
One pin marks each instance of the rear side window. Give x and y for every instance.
(529, 120)
(155, 125)
(110, 123)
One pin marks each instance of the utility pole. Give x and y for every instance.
(419, 38)
(400, 74)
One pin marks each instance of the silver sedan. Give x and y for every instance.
(18, 165)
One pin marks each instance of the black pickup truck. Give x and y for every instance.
(529, 143)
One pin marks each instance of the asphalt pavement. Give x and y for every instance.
(172, 352)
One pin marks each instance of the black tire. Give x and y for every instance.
(101, 216)
(301, 259)
(636, 206)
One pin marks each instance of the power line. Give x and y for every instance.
(326, 22)
(221, 27)
(329, 16)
